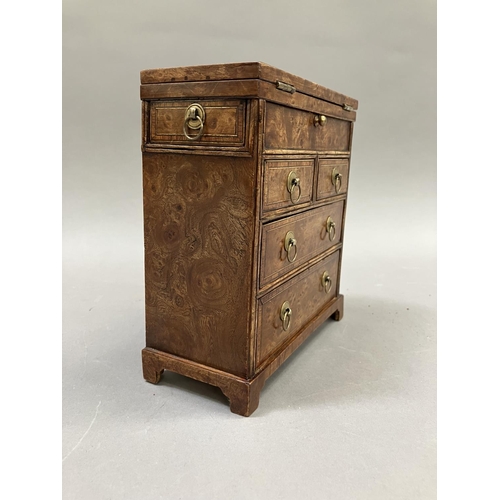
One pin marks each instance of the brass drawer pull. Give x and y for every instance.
(290, 242)
(326, 281)
(337, 180)
(293, 186)
(286, 315)
(194, 119)
(330, 228)
(319, 120)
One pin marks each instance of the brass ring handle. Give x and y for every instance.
(293, 185)
(337, 180)
(290, 242)
(326, 281)
(286, 315)
(194, 119)
(319, 120)
(330, 228)
(200, 130)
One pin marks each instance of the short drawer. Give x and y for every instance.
(289, 243)
(333, 176)
(289, 128)
(287, 183)
(200, 122)
(283, 312)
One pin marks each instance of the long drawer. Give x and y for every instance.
(212, 122)
(284, 311)
(289, 128)
(291, 242)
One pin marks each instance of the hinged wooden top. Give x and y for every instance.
(247, 71)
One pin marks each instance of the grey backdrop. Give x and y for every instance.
(352, 414)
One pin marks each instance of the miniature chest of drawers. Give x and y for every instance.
(245, 178)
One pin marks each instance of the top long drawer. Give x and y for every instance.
(293, 129)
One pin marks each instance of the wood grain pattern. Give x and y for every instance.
(312, 238)
(305, 152)
(276, 194)
(305, 294)
(198, 222)
(216, 211)
(324, 186)
(229, 89)
(280, 213)
(242, 71)
(241, 145)
(231, 71)
(243, 396)
(288, 128)
(255, 89)
(271, 74)
(273, 362)
(224, 122)
(304, 102)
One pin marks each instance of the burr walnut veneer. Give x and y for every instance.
(245, 176)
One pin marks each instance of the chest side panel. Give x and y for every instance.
(198, 233)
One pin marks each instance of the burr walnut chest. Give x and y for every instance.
(245, 178)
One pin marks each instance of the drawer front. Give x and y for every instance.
(287, 183)
(304, 296)
(216, 123)
(288, 128)
(280, 255)
(333, 176)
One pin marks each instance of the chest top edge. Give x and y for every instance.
(283, 81)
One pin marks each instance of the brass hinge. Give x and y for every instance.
(285, 87)
(347, 107)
